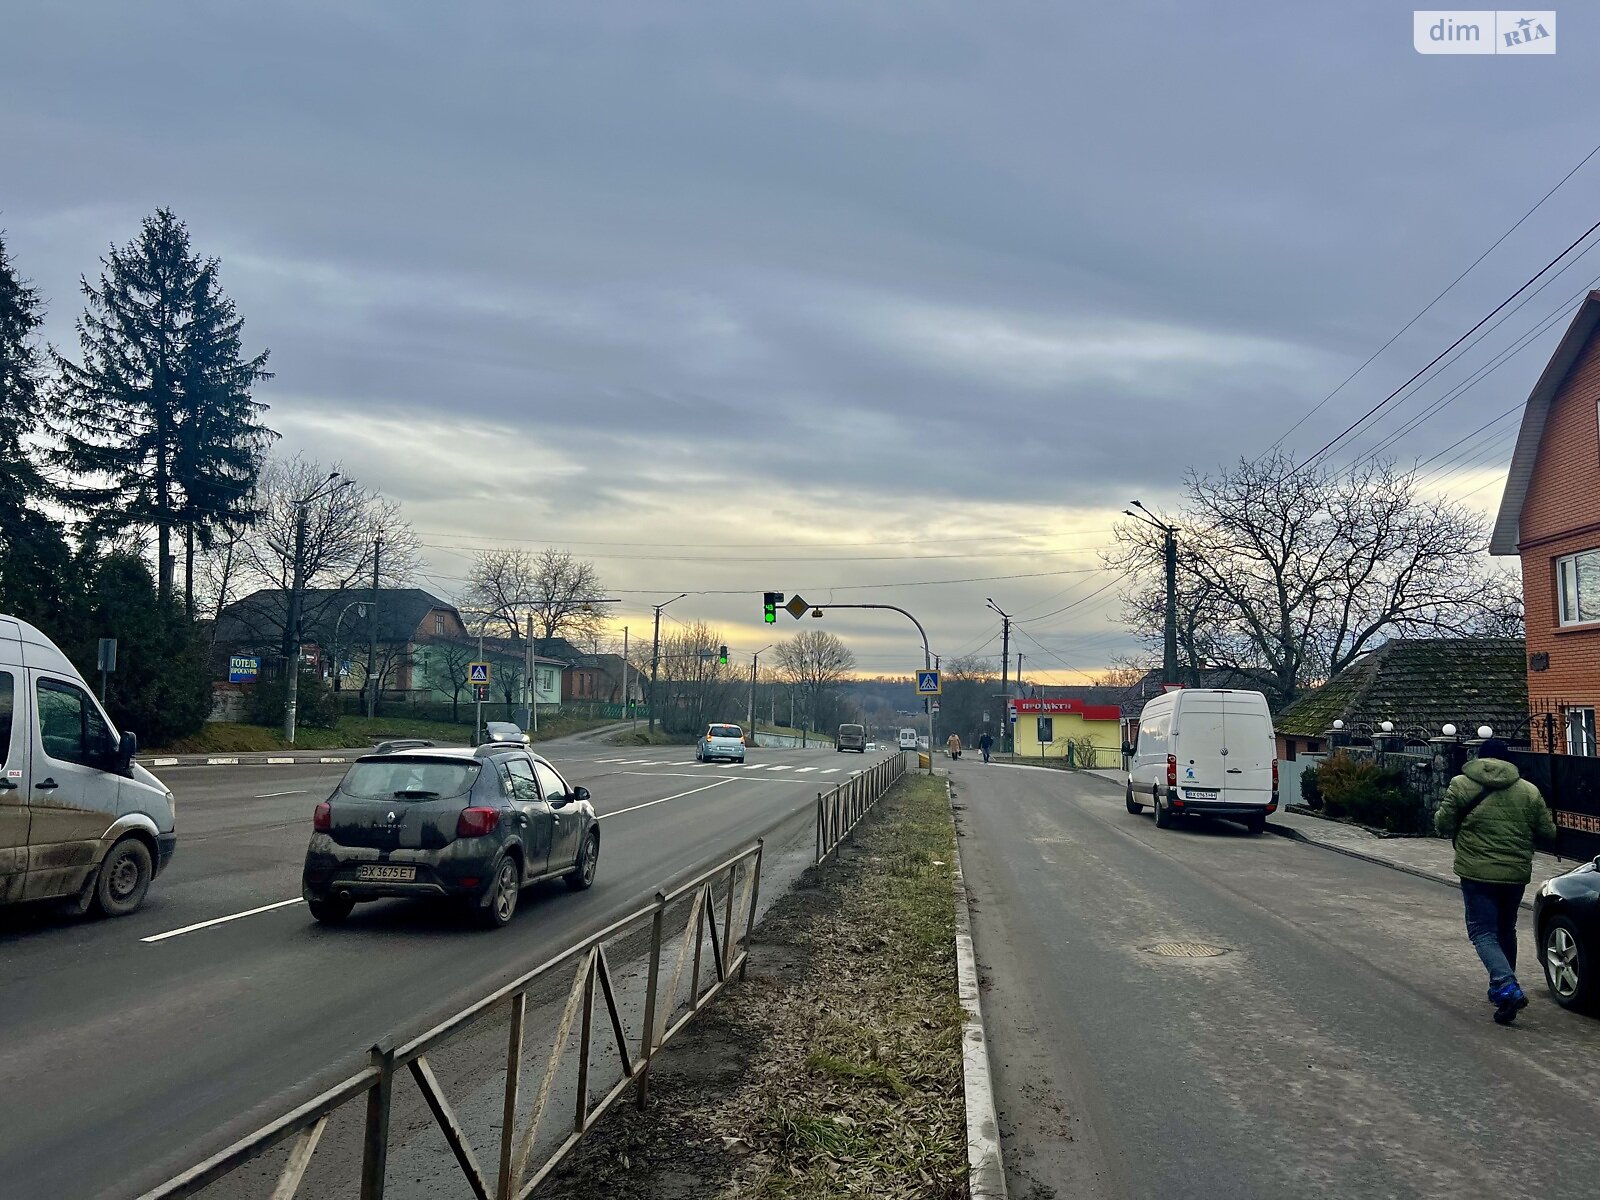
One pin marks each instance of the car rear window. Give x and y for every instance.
(409, 779)
(730, 731)
(852, 730)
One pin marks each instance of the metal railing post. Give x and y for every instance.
(585, 1031)
(750, 918)
(508, 1123)
(375, 1142)
(707, 913)
(653, 979)
(819, 827)
(727, 922)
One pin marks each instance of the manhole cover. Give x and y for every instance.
(1186, 950)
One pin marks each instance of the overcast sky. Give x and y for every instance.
(934, 287)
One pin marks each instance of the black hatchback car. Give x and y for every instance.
(474, 825)
(1566, 921)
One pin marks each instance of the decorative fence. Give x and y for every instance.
(731, 887)
(841, 810)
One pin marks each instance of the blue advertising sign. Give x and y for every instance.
(243, 668)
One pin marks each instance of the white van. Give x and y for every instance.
(79, 819)
(1206, 752)
(908, 739)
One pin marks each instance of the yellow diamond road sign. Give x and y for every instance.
(797, 607)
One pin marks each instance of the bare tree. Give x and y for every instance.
(559, 590)
(1292, 574)
(341, 533)
(695, 687)
(813, 662)
(448, 660)
(1124, 672)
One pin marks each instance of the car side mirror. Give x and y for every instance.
(127, 747)
(1127, 748)
(580, 794)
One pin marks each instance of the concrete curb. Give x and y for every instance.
(1296, 835)
(986, 1172)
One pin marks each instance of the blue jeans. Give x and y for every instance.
(1492, 925)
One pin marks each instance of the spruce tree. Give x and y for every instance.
(156, 424)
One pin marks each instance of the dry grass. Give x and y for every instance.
(836, 1070)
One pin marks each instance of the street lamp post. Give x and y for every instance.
(655, 656)
(1007, 737)
(1169, 549)
(754, 659)
(296, 587)
(362, 605)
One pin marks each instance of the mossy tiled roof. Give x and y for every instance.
(1421, 684)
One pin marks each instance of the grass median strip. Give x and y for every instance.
(835, 1070)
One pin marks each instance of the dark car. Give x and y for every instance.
(852, 737)
(1566, 921)
(474, 825)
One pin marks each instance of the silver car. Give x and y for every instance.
(720, 742)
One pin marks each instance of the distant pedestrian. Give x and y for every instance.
(986, 744)
(953, 744)
(1494, 817)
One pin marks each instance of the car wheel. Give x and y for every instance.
(1256, 825)
(582, 876)
(124, 878)
(500, 905)
(1568, 965)
(331, 910)
(1164, 816)
(1133, 805)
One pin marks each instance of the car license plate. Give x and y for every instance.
(387, 874)
(1200, 793)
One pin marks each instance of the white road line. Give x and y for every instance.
(663, 774)
(663, 800)
(803, 770)
(756, 766)
(608, 760)
(783, 768)
(249, 912)
(686, 763)
(274, 795)
(830, 770)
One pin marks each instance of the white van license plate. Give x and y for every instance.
(386, 874)
(1200, 793)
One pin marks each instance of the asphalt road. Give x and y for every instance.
(125, 1060)
(1341, 1046)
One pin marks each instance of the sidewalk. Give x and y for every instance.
(1429, 858)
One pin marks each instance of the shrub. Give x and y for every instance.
(1360, 790)
(316, 704)
(1310, 788)
(1084, 753)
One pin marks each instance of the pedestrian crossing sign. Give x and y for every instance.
(478, 673)
(928, 683)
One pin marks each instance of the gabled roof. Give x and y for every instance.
(1221, 678)
(1534, 414)
(1421, 684)
(258, 619)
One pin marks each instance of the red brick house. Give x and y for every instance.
(1550, 517)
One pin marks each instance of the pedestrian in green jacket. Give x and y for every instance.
(1495, 816)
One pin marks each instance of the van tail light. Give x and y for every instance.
(477, 822)
(1274, 777)
(1172, 770)
(322, 818)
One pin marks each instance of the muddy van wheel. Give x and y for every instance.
(124, 878)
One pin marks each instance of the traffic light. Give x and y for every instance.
(723, 656)
(771, 600)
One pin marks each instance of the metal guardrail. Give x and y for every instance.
(841, 810)
(517, 1173)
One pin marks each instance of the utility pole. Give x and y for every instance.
(627, 707)
(530, 683)
(372, 631)
(754, 659)
(1005, 678)
(1020, 692)
(297, 585)
(1169, 552)
(655, 658)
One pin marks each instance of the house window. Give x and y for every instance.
(1578, 587)
(1581, 732)
(438, 624)
(1047, 730)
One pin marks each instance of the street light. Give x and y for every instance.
(362, 605)
(1006, 734)
(296, 587)
(1169, 549)
(754, 659)
(655, 656)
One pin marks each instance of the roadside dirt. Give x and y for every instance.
(835, 1069)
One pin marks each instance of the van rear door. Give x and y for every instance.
(1200, 737)
(13, 779)
(1247, 778)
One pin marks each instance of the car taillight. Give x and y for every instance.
(1172, 770)
(1274, 775)
(322, 818)
(476, 822)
